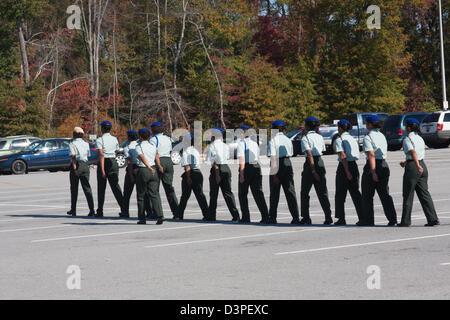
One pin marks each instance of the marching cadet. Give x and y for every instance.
(79, 171)
(164, 163)
(314, 172)
(220, 176)
(282, 174)
(415, 177)
(130, 153)
(347, 174)
(376, 174)
(250, 176)
(192, 178)
(147, 180)
(107, 168)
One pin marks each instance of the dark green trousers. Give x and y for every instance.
(285, 175)
(225, 186)
(112, 176)
(343, 185)
(148, 184)
(252, 180)
(369, 187)
(197, 187)
(167, 181)
(321, 188)
(83, 177)
(413, 181)
(128, 190)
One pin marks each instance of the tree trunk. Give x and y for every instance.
(23, 51)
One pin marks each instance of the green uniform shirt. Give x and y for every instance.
(280, 146)
(108, 144)
(80, 149)
(375, 141)
(414, 142)
(314, 142)
(148, 150)
(347, 144)
(129, 151)
(163, 144)
(191, 157)
(249, 149)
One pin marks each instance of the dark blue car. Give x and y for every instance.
(48, 154)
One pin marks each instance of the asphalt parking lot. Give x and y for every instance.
(195, 260)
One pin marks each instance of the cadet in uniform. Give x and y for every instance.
(347, 174)
(220, 176)
(147, 181)
(376, 174)
(163, 145)
(415, 177)
(280, 151)
(130, 154)
(314, 172)
(192, 178)
(107, 168)
(79, 171)
(250, 176)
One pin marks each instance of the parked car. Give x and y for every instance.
(435, 129)
(47, 154)
(14, 144)
(394, 128)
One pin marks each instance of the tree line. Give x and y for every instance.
(223, 62)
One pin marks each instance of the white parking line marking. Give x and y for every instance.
(363, 244)
(9, 220)
(237, 237)
(36, 228)
(445, 264)
(122, 233)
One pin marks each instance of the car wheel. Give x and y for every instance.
(176, 157)
(120, 160)
(19, 167)
(53, 170)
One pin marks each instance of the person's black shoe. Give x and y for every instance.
(305, 221)
(272, 221)
(72, 213)
(340, 222)
(99, 214)
(125, 216)
(177, 218)
(244, 221)
(91, 214)
(328, 222)
(364, 224)
(432, 223)
(392, 223)
(151, 216)
(235, 219)
(404, 225)
(160, 221)
(295, 221)
(142, 222)
(264, 221)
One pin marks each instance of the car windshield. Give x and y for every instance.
(33, 146)
(434, 117)
(393, 121)
(292, 133)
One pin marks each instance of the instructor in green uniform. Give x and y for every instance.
(147, 181)
(314, 172)
(282, 175)
(347, 174)
(79, 171)
(415, 177)
(107, 168)
(164, 163)
(376, 174)
(250, 176)
(192, 178)
(130, 153)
